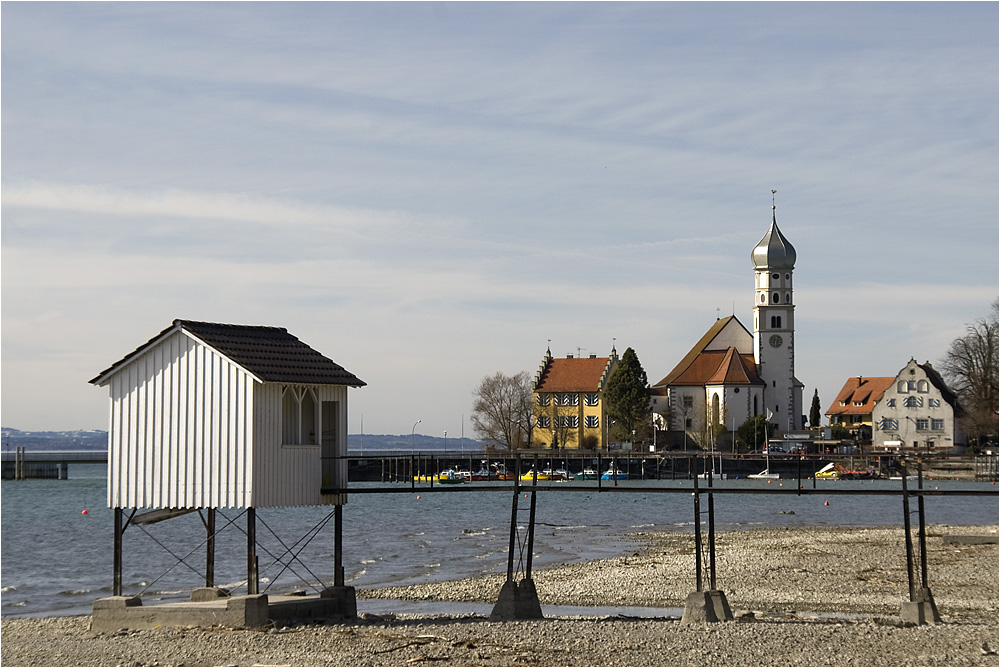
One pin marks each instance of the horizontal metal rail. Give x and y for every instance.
(660, 490)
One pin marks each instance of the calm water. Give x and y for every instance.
(56, 559)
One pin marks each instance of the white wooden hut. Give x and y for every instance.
(208, 415)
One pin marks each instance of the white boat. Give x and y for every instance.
(764, 475)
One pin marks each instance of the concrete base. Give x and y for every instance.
(517, 601)
(706, 606)
(210, 606)
(128, 612)
(203, 594)
(922, 610)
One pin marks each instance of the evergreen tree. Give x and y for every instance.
(815, 412)
(627, 397)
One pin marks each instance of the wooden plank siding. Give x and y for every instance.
(290, 474)
(179, 434)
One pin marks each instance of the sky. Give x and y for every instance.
(430, 193)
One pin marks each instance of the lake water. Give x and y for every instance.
(56, 559)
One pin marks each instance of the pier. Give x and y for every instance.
(21, 464)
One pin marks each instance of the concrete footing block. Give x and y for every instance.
(517, 601)
(343, 601)
(127, 612)
(203, 594)
(921, 610)
(706, 606)
(720, 604)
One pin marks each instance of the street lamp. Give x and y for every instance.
(411, 434)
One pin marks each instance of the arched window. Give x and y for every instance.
(775, 322)
(922, 386)
(715, 409)
(901, 387)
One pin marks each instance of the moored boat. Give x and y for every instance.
(586, 474)
(614, 474)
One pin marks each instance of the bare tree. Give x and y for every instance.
(970, 369)
(502, 411)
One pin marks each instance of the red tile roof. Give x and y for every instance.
(701, 364)
(577, 374)
(860, 389)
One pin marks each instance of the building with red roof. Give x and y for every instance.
(569, 401)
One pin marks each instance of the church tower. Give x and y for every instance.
(774, 327)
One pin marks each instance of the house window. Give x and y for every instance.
(922, 386)
(774, 298)
(934, 403)
(298, 416)
(775, 322)
(913, 402)
(687, 423)
(543, 399)
(591, 422)
(567, 421)
(937, 425)
(901, 387)
(855, 419)
(590, 399)
(888, 424)
(890, 403)
(688, 401)
(921, 424)
(859, 403)
(544, 421)
(569, 399)
(911, 385)
(788, 297)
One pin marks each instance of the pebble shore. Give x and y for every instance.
(802, 597)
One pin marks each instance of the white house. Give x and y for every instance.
(208, 415)
(917, 413)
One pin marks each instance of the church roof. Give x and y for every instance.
(773, 251)
(572, 374)
(709, 359)
(269, 353)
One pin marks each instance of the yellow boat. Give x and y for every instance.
(530, 475)
(444, 478)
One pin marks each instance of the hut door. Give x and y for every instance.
(330, 446)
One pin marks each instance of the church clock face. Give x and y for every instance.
(775, 341)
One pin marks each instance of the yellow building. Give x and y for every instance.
(569, 409)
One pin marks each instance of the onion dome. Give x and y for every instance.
(773, 251)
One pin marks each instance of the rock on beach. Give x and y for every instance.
(802, 596)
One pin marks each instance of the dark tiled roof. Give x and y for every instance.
(270, 353)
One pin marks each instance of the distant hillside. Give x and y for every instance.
(53, 440)
(98, 440)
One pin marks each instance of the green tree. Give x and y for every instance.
(754, 432)
(627, 397)
(815, 413)
(970, 370)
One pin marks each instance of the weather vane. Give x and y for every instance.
(773, 192)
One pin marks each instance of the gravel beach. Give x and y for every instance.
(801, 597)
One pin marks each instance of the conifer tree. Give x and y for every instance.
(627, 396)
(815, 412)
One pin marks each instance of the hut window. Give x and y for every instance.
(298, 416)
